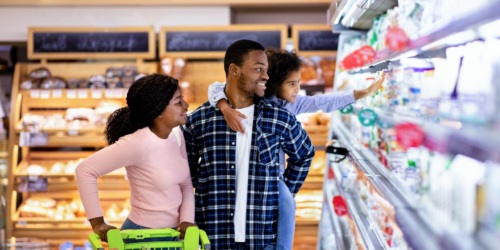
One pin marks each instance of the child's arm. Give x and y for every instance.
(332, 101)
(217, 98)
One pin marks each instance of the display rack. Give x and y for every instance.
(422, 226)
(66, 143)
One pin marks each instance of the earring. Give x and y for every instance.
(160, 116)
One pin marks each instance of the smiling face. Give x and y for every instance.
(253, 73)
(290, 87)
(175, 112)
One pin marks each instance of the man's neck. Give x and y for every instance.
(236, 97)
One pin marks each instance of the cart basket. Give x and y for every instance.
(194, 239)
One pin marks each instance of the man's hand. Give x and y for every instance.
(232, 116)
(101, 228)
(372, 89)
(183, 227)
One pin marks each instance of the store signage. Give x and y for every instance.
(409, 135)
(33, 184)
(91, 42)
(339, 205)
(215, 41)
(367, 117)
(346, 110)
(85, 42)
(317, 40)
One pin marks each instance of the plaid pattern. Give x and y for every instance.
(211, 147)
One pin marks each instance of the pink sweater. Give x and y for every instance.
(161, 192)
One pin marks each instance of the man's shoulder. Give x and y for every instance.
(274, 108)
(203, 109)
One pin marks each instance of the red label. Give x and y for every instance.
(396, 39)
(339, 205)
(331, 174)
(409, 135)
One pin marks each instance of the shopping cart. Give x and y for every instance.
(194, 239)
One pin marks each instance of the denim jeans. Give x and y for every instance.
(128, 224)
(286, 218)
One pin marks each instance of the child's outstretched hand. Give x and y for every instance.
(376, 84)
(372, 89)
(232, 117)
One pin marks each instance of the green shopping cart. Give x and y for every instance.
(194, 239)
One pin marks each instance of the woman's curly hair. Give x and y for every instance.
(146, 99)
(281, 64)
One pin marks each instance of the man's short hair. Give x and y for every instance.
(237, 51)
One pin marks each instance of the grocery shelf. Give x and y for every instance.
(364, 228)
(442, 29)
(411, 213)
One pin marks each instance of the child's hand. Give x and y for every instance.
(376, 84)
(232, 117)
(372, 89)
(183, 227)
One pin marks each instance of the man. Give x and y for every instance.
(236, 175)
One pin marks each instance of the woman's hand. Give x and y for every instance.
(183, 227)
(101, 228)
(232, 116)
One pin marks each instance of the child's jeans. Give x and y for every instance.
(286, 218)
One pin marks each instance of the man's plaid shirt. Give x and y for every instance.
(211, 147)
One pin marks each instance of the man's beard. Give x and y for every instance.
(243, 87)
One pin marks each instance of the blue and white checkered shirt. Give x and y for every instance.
(211, 147)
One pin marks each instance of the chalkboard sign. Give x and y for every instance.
(314, 40)
(218, 41)
(318, 40)
(91, 43)
(214, 41)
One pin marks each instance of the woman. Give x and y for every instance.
(283, 87)
(143, 137)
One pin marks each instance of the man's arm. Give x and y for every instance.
(298, 147)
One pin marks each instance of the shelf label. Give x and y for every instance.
(339, 205)
(33, 184)
(28, 139)
(367, 117)
(83, 93)
(331, 174)
(96, 93)
(71, 94)
(409, 135)
(56, 93)
(346, 110)
(35, 93)
(45, 94)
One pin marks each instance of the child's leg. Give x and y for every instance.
(286, 218)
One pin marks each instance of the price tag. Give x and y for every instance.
(346, 110)
(56, 93)
(367, 117)
(331, 174)
(83, 93)
(45, 94)
(33, 184)
(339, 205)
(71, 94)
(33, 139)
(409, 135)
(35, 93)
(96, 93)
